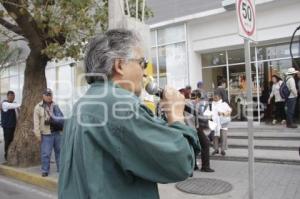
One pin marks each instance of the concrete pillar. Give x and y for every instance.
(116, 14)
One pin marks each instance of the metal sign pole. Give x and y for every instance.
(250, 118)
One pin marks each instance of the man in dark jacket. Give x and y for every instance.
(194, 117)
(9, 113)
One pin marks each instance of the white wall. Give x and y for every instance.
(194, 60)
(274, 21)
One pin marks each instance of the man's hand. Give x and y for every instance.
(173, 105)
(36, 136)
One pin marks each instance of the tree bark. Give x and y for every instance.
(24, 151)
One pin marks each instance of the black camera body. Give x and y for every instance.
(47, 122)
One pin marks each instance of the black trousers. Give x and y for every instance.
(280, 111)
(204, 142)
(8, 138)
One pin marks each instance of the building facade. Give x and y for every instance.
(205, 46)
(194, 40)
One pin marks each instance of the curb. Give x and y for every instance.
(257, 160)
(245, 137)
(30, 178)
(282, 148)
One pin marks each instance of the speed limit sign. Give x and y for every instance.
(246, 15)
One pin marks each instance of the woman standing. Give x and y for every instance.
(279, 101)
(221, 112)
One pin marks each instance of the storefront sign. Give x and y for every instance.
(246, 15)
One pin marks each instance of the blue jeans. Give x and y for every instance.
(48, 143)
(291, 105)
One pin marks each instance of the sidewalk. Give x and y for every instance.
(273, 181)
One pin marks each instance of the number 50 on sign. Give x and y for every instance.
(245, 10)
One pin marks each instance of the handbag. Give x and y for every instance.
(225, 120)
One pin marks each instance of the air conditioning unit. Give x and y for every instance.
(228, 4)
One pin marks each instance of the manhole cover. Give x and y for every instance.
(204, 186)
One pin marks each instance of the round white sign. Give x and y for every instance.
(246, 14)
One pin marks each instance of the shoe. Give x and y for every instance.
(223, 153)
(44, 174)
(274, 122)
(208, 170)
(283, 122)
(196, 168)
(292, 126)
(215, 152)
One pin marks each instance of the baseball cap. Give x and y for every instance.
(48, 92)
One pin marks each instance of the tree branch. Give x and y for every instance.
(27, 23)
(11, 27)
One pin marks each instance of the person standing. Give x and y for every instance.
(279, 101)
(9, 115)
(188, 92)
(48, 124)
(203, 92)
(221, 112)
(196, 119)
(222, 91)
(297, 109)
(292, 100)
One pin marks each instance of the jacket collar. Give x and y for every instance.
(112, 84)
(41, 103)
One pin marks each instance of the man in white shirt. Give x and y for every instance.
(9, 114)
(292, 100)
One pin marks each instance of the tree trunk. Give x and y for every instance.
(24, 151)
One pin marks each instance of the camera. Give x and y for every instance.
(47, 122)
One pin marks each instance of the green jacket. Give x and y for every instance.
(106, 156)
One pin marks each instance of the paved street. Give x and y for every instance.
(11, 189)
(273, 181)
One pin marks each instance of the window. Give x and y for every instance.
(64, 82)
(172, 63)
(4, 86)
(51, 78)
(171, 35)
(154, 61)
(153, 38)
(236, 56)
(14, 86)
(212, 76)
(14, 70)
(276, 51)
(172, 67)
(214, 59)
(22, 68)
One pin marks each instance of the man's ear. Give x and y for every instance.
(118, 67)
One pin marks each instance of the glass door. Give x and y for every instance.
(238, 92)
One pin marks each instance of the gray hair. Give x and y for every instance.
(102, 51)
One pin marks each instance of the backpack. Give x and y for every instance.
(284, 90)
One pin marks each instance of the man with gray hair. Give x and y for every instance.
(113, 146)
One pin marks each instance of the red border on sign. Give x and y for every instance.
(249, 33)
